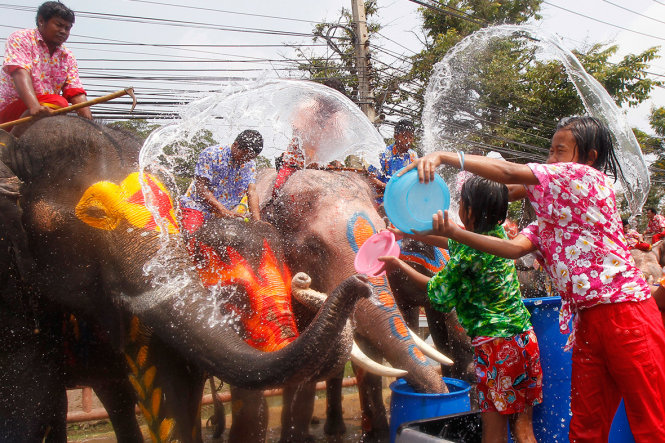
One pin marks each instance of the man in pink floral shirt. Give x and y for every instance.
(39, 73)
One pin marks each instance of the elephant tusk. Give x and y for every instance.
(358, 357)
(307, 297)
(430, 351)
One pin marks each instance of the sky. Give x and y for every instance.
(168, 51)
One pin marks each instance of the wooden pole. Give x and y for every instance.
(365, 93)
(127, 91)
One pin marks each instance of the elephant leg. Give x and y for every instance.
(297, 411)
(182, 384)
(334, 413)
(119, 400)
(249, 419)
(370, 390)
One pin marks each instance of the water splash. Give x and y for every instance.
(317, 121)
(448, 126)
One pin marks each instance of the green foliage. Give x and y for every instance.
(141, 127)
(181, 157)
(657, 120)
(263, 162)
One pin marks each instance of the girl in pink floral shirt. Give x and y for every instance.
(617, 338)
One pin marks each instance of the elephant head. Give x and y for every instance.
(102, 254)
(324, 217)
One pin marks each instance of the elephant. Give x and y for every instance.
(101, 255)
(324, 217)
(266, 319)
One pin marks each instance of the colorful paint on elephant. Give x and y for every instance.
(268, 321)
(359, 228)
(142, 377)
(105, 204)
(433, 264)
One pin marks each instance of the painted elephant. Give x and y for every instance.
(101, 255)
(266, 319)
(323, 218)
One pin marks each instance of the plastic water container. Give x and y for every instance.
(551, 419)
(410, 204)
(380, 244)
(408, 405)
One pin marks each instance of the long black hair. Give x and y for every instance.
(592, 135)
(487, 200)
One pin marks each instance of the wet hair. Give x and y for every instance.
(487, 200)
(652, 209)
(48, 10)
(592, 135)
(250, 140)
(404, 125)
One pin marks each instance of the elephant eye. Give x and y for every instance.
(94, 212)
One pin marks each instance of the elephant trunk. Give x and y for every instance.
(399, 349)
(195, 327)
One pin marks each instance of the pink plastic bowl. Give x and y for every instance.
(378, 245)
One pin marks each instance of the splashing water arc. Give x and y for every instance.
(450, 84)
(319, 121)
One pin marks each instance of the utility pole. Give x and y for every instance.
(365, 94)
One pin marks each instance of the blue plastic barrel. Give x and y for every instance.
(408, 405)
(551, 419)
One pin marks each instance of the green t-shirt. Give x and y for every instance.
(483, 289)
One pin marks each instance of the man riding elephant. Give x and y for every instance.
(224, 177)
(39, 73)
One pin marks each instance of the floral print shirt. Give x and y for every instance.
(50, 74)
(656, 225)
(579, 233)
(228, 182)
(483, 289)
(392, 161)
(632, 237)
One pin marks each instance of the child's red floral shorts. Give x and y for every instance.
(509, 373)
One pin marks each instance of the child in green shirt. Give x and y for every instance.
(484, 291)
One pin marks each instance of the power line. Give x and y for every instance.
(452, 12)
(603, 22)
(224, 11)
(634, 12)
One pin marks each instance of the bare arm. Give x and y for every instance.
(83, 112)
(422, 236)
(203, 189)
(513, 249)
(501, 171)
(253, 202)
(516, 192)
(418, 279)
(658, 294)
(26, 92)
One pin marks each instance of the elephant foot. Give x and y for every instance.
(375, 436)
(334, 426)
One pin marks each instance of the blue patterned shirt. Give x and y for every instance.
(391, 161)
(228, 182)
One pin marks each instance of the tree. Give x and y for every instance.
(339, 64)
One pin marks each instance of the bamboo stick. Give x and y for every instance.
(127, 91)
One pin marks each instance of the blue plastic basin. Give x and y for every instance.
(408, 405)
(410, 204)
